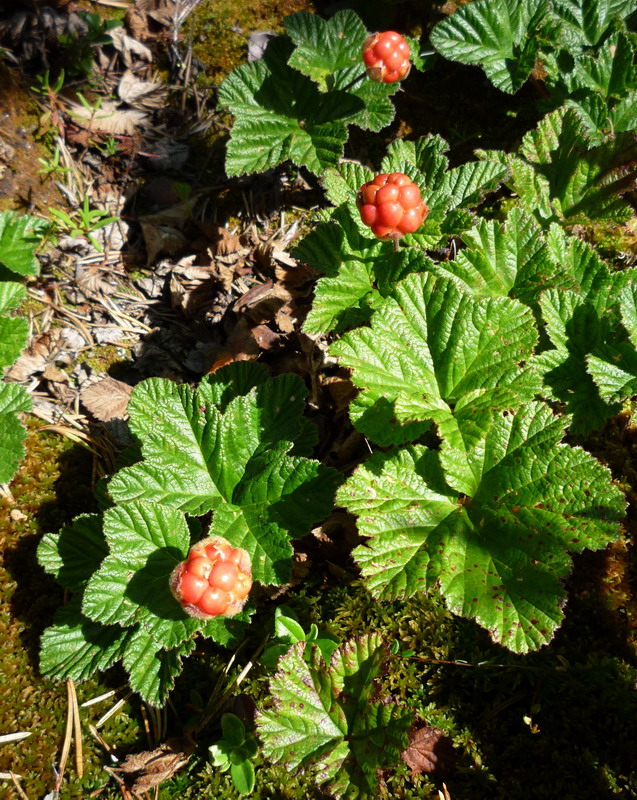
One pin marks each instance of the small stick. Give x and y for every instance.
(79, 757)
(66, 747)
(19, 788)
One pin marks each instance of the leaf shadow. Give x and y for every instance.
(150, 586)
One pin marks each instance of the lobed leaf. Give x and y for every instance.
(343, 734)
(74, 554)
(14, 331)
(500, 553)
(153, 670)
(427, 347)
(559, 174)
(325, 46)
(272, 126)
(499, 35)
(588, 20)
(76, 647)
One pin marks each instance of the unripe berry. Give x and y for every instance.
(386, 57)
(391, 205)
(214, 580)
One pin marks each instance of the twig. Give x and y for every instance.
(66, 747)
(79, 758)
(19, 788)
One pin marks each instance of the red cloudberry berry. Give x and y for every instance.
(391, 205)
(386, 57)
(214, 580)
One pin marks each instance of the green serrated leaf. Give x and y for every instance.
(581, 321)
(611, 72)
(193, 456)
(13, 400)
(232, 381)
(152, 669)
(470, 183)
(20, 234)
(360, 271)
(499, 35)
(146, 542)
(75, 553)
(561, 175)
(500, 554)
(588, 20)
(301, 124)
(614, 365)
(427, 347)
(278, 499)
(504, 259)
(342, 183)
(325, 46)
(76, 647)
(14, 332)
(342, 734)
(377, 111)
(236, 461)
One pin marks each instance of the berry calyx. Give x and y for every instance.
(214, 580)
(386, 57)
(391, 205)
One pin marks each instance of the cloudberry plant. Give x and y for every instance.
(391, 205)
(214, 580)
(386, 57)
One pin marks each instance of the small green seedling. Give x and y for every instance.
(288, 631)
(87, 221)
(45, 87)
(51, 167)
(234, 751)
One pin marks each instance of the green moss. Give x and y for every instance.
(52, 486)
(220, 29)
(106, 358)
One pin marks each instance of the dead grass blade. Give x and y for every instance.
(18, 788)
(113, 3)
(68, 735)
(79, 758)
(14, 737)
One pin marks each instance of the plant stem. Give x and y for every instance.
(353, 82)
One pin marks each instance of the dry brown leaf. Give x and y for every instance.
(129, 47)
(47, 349)
(224, 243)
(109, 118)
(266, 338)
(148, 769)
(197, 290)
(162, 239)
(341, 389)
(142, 94)
(137, 24)
(430, 750)
(106, 399)
(286, 319)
